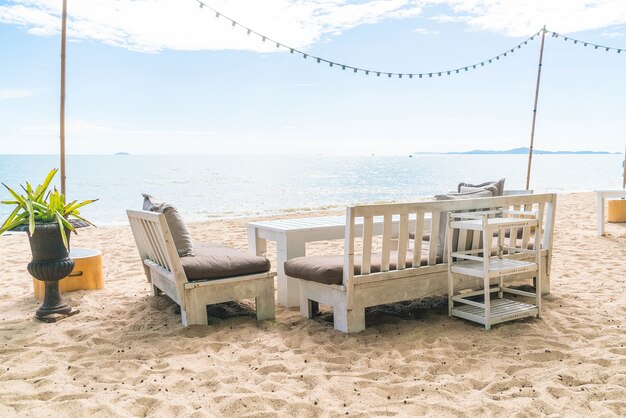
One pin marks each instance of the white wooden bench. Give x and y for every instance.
(355, 292)
(164, 270)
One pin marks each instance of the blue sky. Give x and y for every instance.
(166, 77)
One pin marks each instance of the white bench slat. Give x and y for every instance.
(368, 226)
(418, 233)
(434, 238)
(384, 265)
(403, 241)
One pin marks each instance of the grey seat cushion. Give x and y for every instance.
(329, 269)
(217, 261)
(175, 222)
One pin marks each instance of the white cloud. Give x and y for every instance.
(524, 17)
(613, 34)
(424, 31)
(450, 19)
(8, 94)
(155, 25)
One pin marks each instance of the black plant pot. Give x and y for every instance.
(51, 263)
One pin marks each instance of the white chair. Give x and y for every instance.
(166, 272)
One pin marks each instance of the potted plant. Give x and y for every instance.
(45, 216)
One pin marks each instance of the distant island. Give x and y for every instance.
(523, 150)
(121, 153)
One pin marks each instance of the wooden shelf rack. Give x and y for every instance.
(494, 262)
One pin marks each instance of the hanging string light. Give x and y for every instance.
(584, 44)
(366, 71)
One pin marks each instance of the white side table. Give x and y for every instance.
(480, 263)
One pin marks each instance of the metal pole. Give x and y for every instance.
(62, 116)
(532, 131)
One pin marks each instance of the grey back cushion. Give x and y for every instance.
(443, 217)
(469, 189)
(498, 184)
(175, 222)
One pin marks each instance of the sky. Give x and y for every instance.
(168, 77)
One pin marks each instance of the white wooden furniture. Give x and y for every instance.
(164, 271)
(356, 292)
(483, 264)
(602, 196)
(291, 236)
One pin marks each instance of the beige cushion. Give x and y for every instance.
(217, 261)
(175, 222)
(499, 184)
(329, 269)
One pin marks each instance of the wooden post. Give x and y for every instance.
(62, 115)
(624, 174)
(532, 131)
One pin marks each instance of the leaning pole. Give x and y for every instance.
(624, 174)
(532, 130)
(62, 115)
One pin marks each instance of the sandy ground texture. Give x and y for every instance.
(127, 354)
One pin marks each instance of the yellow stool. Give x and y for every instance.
(617, 210)
(87, 273)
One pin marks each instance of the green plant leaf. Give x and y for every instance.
(41, 189)
(73, 206)
(11, 217)
(65, 221)
(53, 204)
(31, 217)
(28, 190)
(60, 220)
(42, 205)
(83, 219)
(16, 222)
(20, 199)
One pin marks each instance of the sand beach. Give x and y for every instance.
(127, 354)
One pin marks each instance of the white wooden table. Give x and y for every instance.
(602, 196)
(291, 236)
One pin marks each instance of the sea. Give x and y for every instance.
(210, 187)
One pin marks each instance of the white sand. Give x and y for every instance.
(127, 354)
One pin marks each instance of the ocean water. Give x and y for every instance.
(213, 187)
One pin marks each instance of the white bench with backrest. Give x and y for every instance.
(363, 277)
(213, 274)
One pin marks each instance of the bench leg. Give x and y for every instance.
(545, 283)
(156, 291)
(265, 306)
(308, 308)
(349, 320)
(195, 315)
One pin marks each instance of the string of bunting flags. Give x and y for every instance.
(378, 73)
(583, 43)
